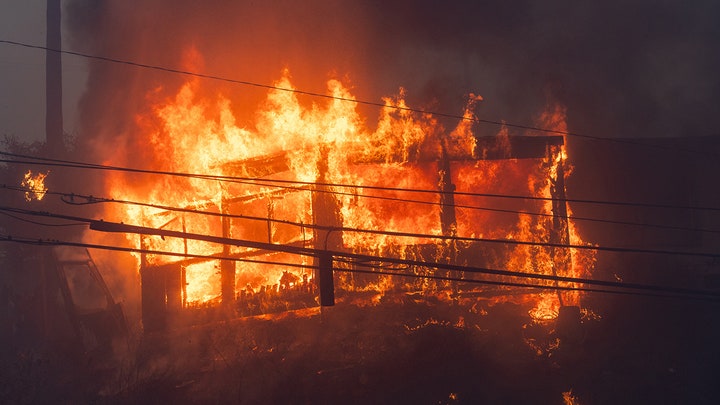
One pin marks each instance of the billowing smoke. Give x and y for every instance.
(630, 69)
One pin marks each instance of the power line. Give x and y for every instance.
(637, 289)
(255, 180)
(472, 118)
(537, 276)
(92, 199)
(55, 242)
(116, 227)
(70, 198)
(525, 285)
(391, 233)
(41, 223)
(305, 251)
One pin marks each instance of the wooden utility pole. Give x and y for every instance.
(53, 82)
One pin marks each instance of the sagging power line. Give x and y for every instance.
(274, 183)
(335, 188)
(363, 260)
(472, 117)
(80, 199)
(110, 226)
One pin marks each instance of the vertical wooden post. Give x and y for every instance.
(183, 271)
(325, 212)
(227, 267)
(53, 81)
(271, 213)
(448, 220)
(560, 233)
(327, 285)
(153, 298)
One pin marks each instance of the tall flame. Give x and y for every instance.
(328, 144)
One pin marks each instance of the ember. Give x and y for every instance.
(35, 184)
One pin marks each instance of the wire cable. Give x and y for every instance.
(71, 198)
(55, 242)
(106, 226)
(41, 223)
(409, 234)
(471, 118)
(526, 285)
(670, 292)
(536, 276)
(254, 181)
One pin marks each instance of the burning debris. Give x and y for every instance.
(312, 179)
(35, 184)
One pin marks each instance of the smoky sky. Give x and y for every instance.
(621, 68)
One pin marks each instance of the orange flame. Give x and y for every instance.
(328, 144)
(35, 185)
(569, 398)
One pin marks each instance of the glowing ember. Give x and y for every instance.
(569, 398)
(35, 185)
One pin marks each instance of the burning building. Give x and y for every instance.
(304, 208)
(305, 240)
(448, 249)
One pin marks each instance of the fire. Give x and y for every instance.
(329, 143)
(546, 309)
(35, 185)
(569, 398)
(205, 285)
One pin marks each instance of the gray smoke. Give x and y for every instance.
(636, 68)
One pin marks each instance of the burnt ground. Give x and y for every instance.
(641, 350)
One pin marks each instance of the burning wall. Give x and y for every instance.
(173, 123)
(304, 166)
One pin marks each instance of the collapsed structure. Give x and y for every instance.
(167, 287)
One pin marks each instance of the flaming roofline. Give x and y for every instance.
(163, 285)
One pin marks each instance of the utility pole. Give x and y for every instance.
(53, 82)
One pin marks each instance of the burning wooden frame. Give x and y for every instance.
(165, 285)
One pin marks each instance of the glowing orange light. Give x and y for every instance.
(190, 133)
(35, 185)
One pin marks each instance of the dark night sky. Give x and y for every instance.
(622, 68)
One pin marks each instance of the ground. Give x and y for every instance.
(639, 350)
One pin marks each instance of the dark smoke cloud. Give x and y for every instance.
(622, 68)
